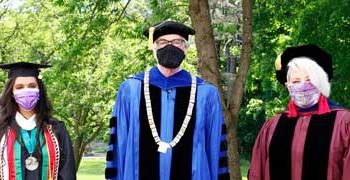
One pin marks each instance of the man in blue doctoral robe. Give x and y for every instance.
(166, 123)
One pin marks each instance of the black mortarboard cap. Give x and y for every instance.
(321, 57)
(168, 27)
(23, 69)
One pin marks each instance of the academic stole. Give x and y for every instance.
(12, 154)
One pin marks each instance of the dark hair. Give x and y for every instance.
(9, 107)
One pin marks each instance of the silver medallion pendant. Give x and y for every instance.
(32, 163)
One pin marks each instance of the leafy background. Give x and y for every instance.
(95, 45)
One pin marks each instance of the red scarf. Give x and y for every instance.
(323, 108)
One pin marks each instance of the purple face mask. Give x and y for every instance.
(26, 98)
(304, 94)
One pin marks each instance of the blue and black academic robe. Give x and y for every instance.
(132, 152)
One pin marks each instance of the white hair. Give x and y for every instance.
(318, 77)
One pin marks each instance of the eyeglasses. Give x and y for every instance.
(175, 42)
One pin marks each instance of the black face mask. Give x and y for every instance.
(170, 56)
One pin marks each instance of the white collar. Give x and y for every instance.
(26, 124)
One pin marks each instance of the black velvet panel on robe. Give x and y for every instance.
(181, 165)
(280, 149)
(181, 160)
(316, 149)
(149, 156)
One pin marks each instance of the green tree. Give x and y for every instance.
(277, 25)
(83, 41)
(209, 69)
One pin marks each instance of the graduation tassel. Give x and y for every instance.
(150, 37)
(278, 64)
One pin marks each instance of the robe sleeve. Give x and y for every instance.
(118, 134)
(258, 169)
(223, 159)
(66, 169)
(217, 156)
(111, 168)
(346, 159)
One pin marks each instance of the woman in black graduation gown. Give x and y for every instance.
(33, 145)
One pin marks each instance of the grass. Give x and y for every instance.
(93, 169)
(244, 168)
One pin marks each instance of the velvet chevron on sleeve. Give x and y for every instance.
(111, 169)
(223, 159)
(216, 132)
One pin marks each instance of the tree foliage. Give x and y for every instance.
(92, 45)
(82, 40)
(277, 25)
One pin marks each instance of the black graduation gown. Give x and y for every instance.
(66, 169)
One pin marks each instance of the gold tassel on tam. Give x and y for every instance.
(278, 64)
(150, 37)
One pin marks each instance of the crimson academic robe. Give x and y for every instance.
(306, 147)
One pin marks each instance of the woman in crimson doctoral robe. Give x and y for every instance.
(310, 140)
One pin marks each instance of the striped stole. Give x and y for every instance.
(11, 156)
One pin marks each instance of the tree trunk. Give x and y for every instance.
(78, 150)
(236, 101)
(205, 43)
(232, 139)
(208, 68)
